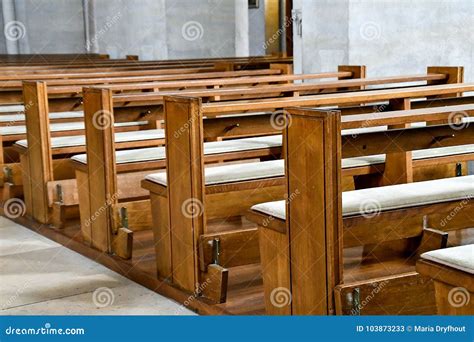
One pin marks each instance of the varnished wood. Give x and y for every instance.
(186, 197)
(40, 169)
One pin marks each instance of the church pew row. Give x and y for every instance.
(232, 63)
(69, 87)
(302, 238)
(35, 95)
(184, 108)
(241, 127)
(452, 270)
(133, 70)
(230, 190)
(107, 64)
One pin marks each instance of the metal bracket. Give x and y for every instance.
(216, 250)
(8, 174)
(231, 127)
(353, 299)
(425, 222)
(442, 137)
(123, 217)
(458, 169)
(59, 193)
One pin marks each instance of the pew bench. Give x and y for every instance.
(305, 239)
(36, 93)
(232, 189)
(452, 270)
(184, 112)
(27, 176)
(38, 117)
(370, 217)
(12, 144)
(131, 203)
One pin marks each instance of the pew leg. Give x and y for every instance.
(122, 243)
(161, 236)
(443, 291)
(61, 213)
(10, 191)
(214, 283)
(276, 274)
(25, 166)
(84, 207)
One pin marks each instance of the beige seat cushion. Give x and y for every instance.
(12, 108)
(53, 116)
(276, 168)
(80, 140)
(391, 197)
(232, 173)
(460, 258)
(215, 147)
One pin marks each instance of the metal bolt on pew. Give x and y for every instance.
(458, 170)
(8, 174)
(216, 250)
(353, 300)
(123, 217)
(442, 137)
(231, 127)
(59, 193)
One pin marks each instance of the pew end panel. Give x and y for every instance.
(452, 272)
(184, 157)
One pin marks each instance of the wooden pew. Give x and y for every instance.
(248, 184)
(302, 247)
(10, 88)
(420, 94)
(241, 127)
(452, 270)
(36, 97)
(75, 103)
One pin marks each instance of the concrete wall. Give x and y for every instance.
(389, 36)
(153, 29)
(257, 30)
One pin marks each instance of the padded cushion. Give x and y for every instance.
(276, 168)
(61, 127)
(392, 196)
(232, 173)
(12, 108)
(417, 155)
(215, 147)
(460, 258)
(54, 116)
(80, 140)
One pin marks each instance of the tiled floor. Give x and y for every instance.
(41, 277)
